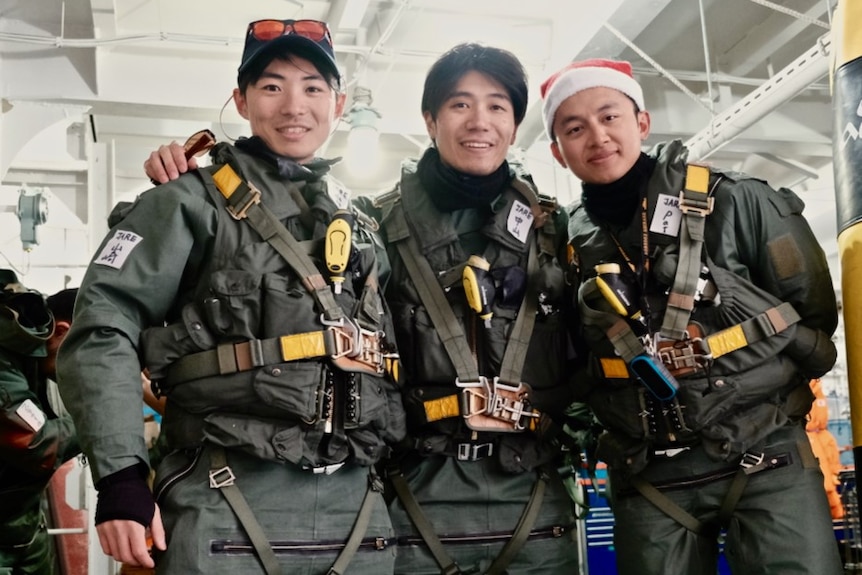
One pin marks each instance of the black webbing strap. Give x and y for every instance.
(667, 506)
(420, 521)
(360, 526)
(222, 478)
(525, 524)
(750, 464)
(244, 204)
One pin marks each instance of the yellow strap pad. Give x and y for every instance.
(303, 345)
(226, 180)
(614, 368)
(726, 341)
(437, 409)
(697, 178)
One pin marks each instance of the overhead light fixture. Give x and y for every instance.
(363, 141)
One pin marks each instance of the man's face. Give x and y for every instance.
(475, 125)
(599, 135)
(291, 107)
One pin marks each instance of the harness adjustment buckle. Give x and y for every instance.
(251, 198)
(223, 477)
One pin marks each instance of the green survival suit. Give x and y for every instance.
(706, 316)
(476, 473)
(280, 388)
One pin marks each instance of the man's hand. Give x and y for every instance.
(168, 163)
(126, 541)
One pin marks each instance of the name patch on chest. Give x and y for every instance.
(667, 216)
(117, 249)
(520, 221)
(31, 414)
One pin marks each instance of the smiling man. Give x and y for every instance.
(279, 400)
(721, 311)
(484, 378)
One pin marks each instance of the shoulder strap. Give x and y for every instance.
(243, 203)
(695, 203)
(434, 298)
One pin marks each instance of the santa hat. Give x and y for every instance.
(585, 74)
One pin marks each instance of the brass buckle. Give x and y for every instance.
(685, 356)
(242, 212)
(356, 349)
(701, 209)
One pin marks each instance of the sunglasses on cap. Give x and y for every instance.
(265, 30)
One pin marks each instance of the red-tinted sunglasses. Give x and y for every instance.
(265, 30)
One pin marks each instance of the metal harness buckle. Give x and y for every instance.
(240, 213)
(356, 348)
(490, 405)
(750, 459)
(217, 482)
(474, 451)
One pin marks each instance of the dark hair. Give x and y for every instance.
(496, 63)
(62, 304)
(255, 69)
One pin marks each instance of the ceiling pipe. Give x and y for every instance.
(784, 86)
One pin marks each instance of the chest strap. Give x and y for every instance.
(350, 348)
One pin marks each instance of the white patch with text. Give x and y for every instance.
(117, 249)
(667, 216)
(31, 414)
(520, 221)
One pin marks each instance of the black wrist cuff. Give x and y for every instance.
(125, 495)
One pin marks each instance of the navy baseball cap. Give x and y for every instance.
(310, 37)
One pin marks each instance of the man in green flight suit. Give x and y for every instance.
(34, 439)
(486, 376)
(280, 393)
(707, 305)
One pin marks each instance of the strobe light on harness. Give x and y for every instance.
(479, 287)
(337, 247)
(654, 376)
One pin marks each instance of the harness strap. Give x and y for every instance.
(442, 316)
(772, 321)
(695, 204)
(244, 204)
(666, 505)
(750, 464)
(522, 530)
(766, 324)
(360, 526)
(515, 355)
(420, 521)
(509, 551)
(223, 479)
(230, 358)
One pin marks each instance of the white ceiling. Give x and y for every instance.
(89, 87)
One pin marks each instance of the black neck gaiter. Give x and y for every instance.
(287, 168)
(615, 203)
(451, 190)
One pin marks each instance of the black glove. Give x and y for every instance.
(125, 495)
